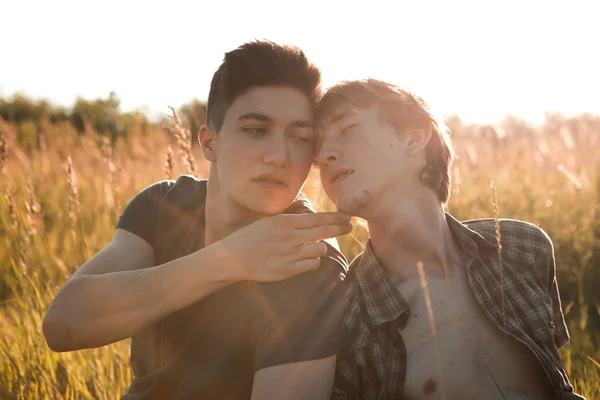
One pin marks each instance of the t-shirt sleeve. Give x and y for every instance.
(140, 215)
(300, 319)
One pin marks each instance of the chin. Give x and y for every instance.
(352, 204)
(266, 210)
(268, 206)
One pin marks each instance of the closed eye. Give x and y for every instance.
(255, 130)
(304, 133)
(304, 138)
(346, 129)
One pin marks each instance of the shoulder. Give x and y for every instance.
(187, 188)
(161, 205)
(185, 185)
(527, 248)
(175, 198)
(156, 190)
(514, 234)
(313, 286)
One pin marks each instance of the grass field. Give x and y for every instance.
(59, 203)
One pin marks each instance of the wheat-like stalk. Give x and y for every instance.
(3, 156)
(432, 326)
(169, 164)
(34, 218)
(34, 210)
(184, 141)
(112, 183)
(499, 242)
(12, 209)
(74, 204)
(8, 196)
(497, 218)
(25, 241)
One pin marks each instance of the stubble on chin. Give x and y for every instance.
(354, 204)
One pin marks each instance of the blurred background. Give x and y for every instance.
(85, 123)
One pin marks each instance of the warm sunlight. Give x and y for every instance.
(156, 246)
(478, 61)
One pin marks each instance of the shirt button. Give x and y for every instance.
(552, 325)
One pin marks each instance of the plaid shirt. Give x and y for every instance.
(373, 363)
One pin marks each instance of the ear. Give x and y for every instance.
(208, 139)
(417, 140)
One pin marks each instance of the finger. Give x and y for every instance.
(324, 232)
(311, 220)
(309, 264)
(312, 250)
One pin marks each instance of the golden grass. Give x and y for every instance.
(59, 205)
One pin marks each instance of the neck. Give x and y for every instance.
(408, 231)
(223, 216)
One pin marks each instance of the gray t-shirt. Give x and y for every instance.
(211, 349)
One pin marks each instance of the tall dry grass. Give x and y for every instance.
(59, 205)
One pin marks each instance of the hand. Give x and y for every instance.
(280, 247)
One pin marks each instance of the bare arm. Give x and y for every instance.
(118, 293)
(295, 381)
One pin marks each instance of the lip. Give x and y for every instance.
(272, 178)
(338, 174)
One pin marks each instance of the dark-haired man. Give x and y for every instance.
(180, 274)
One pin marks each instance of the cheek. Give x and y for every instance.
(235, 164)
(326, 188)
(243, 151)
(302, 158)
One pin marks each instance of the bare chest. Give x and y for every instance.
(454, 349)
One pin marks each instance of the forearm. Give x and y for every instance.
(95, 310)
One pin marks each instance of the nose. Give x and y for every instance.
(277, 150)
(328, 155)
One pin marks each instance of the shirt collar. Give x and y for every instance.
(384, 303)
(470, 241)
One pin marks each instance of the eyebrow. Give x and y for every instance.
(265, 118)
(254, 115)
(339, 117)
(301, 123)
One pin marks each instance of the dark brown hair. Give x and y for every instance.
(259, 64)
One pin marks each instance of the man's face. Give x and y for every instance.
(265, 148)
(361, 158)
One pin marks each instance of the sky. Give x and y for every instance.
(480, 60)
